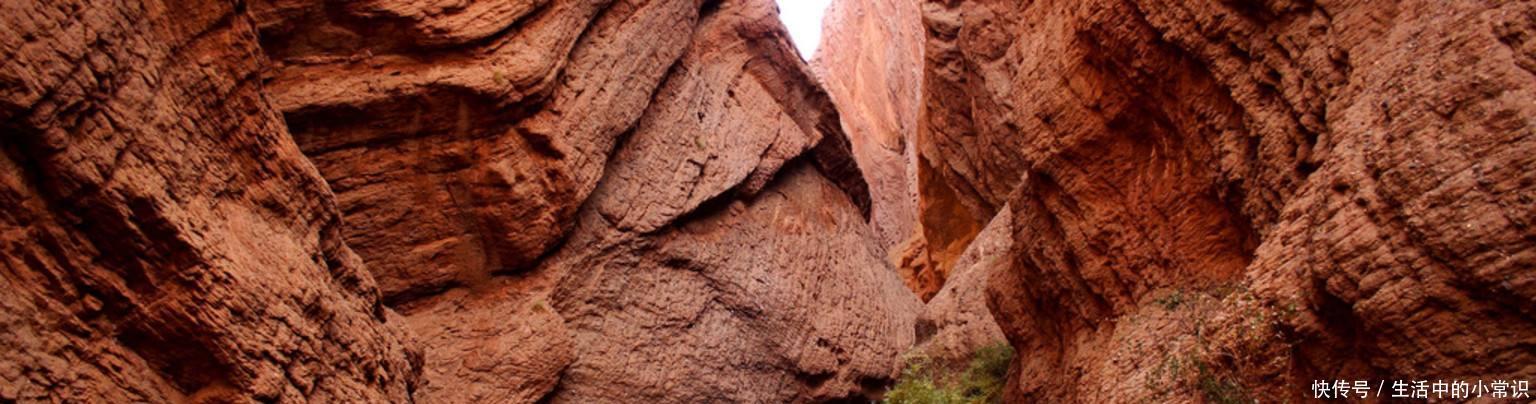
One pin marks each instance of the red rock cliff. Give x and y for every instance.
(1259, 193)
(163, 238)
(870, 61)
(570, 201)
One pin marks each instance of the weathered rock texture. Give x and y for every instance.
(162, 237)
(870, 61)
(723, 237)
(1347, 179)
(572, 201)
(462, 151)
(957, 321)
(464, 158)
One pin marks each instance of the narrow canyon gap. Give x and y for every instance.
(392, 201)
(577, 201)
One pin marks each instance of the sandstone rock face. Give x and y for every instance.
(723, 238)
(457, 153)
(957, 321)
(561, 200)
(462, 156)
(870, 61)
(1325, 189)
(163, 239)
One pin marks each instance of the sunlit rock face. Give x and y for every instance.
(1274, 191)
(870, 61)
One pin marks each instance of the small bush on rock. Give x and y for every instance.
(924, 382)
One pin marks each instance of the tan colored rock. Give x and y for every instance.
(1341, 178)
(162, 238)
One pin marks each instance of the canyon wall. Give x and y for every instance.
(870, 61)
(1232, 199)
(557, 200)
(164, 240)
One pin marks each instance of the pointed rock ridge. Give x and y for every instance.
(1272, 192)
(163, 239)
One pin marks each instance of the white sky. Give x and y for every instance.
(803, 18)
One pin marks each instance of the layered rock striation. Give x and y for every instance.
(163, 238)
(1277, 191)
(870, 61)
(390, 200)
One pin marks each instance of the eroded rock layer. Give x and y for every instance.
(162, 237)
(957, 322)
(523, 198)
(1325, 190)
(561, 200)
(723, 238)
(870, 61)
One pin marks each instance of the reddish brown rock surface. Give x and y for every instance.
(870, 61)
(1325, 190)
(457, 155)
(162, 237)
(957, 321)
(571, 201)
(723, 237)
(463, 157)
(628, 200)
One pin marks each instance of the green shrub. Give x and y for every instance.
(982, 382)
(1219, 389)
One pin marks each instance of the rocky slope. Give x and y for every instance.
(1268, 192)
(571, 201)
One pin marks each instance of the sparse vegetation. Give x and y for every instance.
(1218, 344)
(924, 382)
(1172, 300)
(1220, 389)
